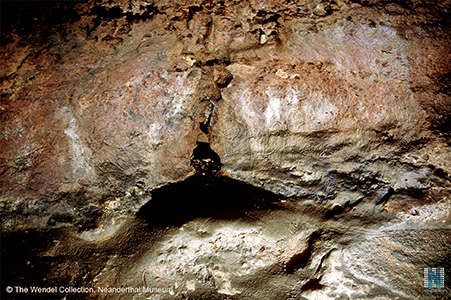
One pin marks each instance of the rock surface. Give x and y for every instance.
(225, 150)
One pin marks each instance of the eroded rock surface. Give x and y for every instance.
(225, 149)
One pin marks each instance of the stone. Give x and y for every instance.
(383, 195)
(225, 150)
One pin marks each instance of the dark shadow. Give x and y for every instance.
(34, 19)
(312, 284)
(200, 197)
(204, 160)
(23, 265)
(300, 260)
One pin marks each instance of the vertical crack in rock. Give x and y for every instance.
(204, 125)
(204, 160)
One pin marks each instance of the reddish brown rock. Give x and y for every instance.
(225, 149)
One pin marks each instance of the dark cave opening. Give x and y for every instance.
(204, 160)
(217, 197)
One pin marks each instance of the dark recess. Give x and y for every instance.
(23, 264)
(301, 260)
(35, 20)
(199, 197)
(204, 126)
(26, 262)
(204, 160)
(312, 284)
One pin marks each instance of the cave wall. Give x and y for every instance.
(338, 109)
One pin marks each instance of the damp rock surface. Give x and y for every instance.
(225, 149)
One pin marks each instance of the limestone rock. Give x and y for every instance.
(225, 149)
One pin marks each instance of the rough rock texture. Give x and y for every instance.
(225, 149)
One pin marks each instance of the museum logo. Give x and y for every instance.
(434, 279)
